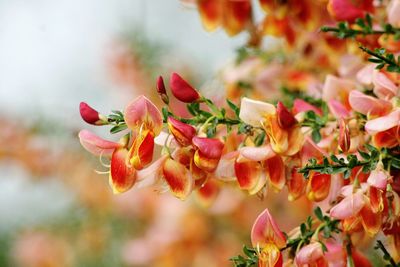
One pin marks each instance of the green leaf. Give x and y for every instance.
(316, 136)
(118, 128)
(234, 108)
(259, 140)
(318, 213)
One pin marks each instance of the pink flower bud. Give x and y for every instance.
(344, 135)
(285, 119)
(90, 115)
(182, 90)
(161, 90)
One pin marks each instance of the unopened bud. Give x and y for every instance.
(161, 90)
(344, 135)
(90, 115)
(182, 132)
(182, 90)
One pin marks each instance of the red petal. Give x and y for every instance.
(89, 114)
(141, 153)
(318, 186)
(210, 13)
(207, 193)
(248, 174)
(182, 132)
(285, 118)
(178, 178)
(182, 90)
(122, 176)
(276, 171)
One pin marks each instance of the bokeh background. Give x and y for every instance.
(55, 210)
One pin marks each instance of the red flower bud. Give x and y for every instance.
(285, 119)
(182, 90)
(90, 115)
(344, 136)
(161, 90)
(208, 152)
(182, 132)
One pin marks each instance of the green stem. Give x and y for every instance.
(386, 254)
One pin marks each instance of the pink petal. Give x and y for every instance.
(253, 112)
(150, 175)
(309, 254)
(265, 230)
(226, 167)
(349, 206)
(338, 109)
(334, 87)
(378, 179)
(257, 153)
(366, 104)
(364, 76)
(300, 105)
(97, 145)
(142, 111)
(383, 86)
(393, 13)
(383, 123)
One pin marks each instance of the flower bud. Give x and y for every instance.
(285, 119)
(161, 90)
(344, 135)
(182, 132)
(91, 115)
(182, 90)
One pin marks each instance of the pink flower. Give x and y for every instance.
(368, 105)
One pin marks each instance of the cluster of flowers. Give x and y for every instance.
(337, 143)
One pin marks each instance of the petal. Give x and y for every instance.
(97, 145)
(265, 230)
(236, 15)
(364, 76)
(295, 141)
(371, 221)
(393, 13)
(277, 136)
(226, 167)
(253, 112)
(276, 170)
(182, 132)
(257, 153)
(350, 206)
(122, 176)
(368, 105)
(208, 192)
(178, 178)
(182, 90)
(336, 88)
(338, 109)
(142, 112)
(389, 138)
(383, 86)
(208, 153)
(376, 199)
(210, 13)
(150, 175)
(141, 152)
(296, 185)
(378, 179)
(349, 10)
(309, 254)
(318, 186)
(383, 123)
(300, 105)
(249, 175)
(285, 119)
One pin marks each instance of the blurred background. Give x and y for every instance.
(54, 209)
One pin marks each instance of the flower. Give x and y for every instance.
(126, 158)
(284, 141)
(266, 235)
